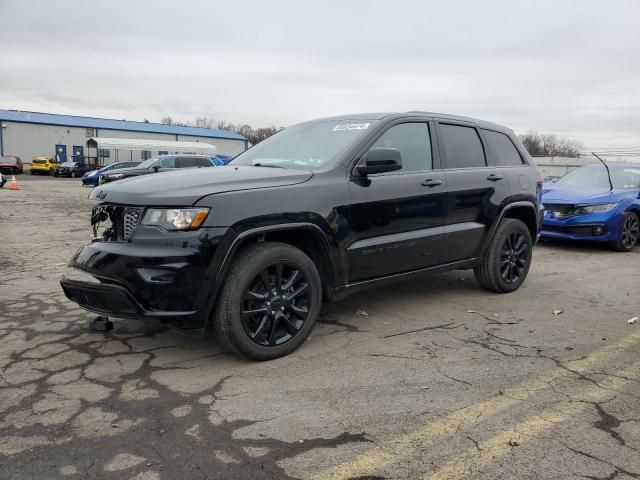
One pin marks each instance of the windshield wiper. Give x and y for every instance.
(266, 165)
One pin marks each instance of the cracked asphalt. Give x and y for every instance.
(432, 379)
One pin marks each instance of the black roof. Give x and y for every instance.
(417, 113)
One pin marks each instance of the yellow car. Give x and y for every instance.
(44, 165)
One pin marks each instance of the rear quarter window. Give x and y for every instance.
(462, 146)
(504, 151)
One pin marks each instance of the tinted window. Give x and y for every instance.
(414, 143)
(462, 146)
(168, 162)
(502, 147)
(185, 162)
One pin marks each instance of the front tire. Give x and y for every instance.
(269, 302)
(629, 233)
(506, 262)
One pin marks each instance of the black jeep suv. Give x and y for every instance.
(317, 211)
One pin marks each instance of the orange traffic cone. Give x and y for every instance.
(14, 183)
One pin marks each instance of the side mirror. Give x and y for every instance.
(156, 168)
(380, 160)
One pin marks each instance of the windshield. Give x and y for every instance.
(148, 163)
(595, 176)
(306, 146)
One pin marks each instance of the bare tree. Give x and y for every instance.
(254, 135)
(549, 145)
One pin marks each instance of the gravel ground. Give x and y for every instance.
(432, 379)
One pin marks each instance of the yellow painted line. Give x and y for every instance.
(524, 432)
(404, 445)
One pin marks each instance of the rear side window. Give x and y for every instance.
(414, 143)
(462, 146)
(185, 162)
(503, 150)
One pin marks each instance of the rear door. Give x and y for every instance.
(504, 154)
(475, 190)
(397, 218)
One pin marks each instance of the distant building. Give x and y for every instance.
(31, 134)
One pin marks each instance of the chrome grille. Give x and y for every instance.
(130, 220)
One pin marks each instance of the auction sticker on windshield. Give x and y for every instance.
(351, 126)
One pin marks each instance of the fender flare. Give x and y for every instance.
(503, 212)
(239, 239)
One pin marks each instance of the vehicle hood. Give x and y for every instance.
(552, 193)
(186, 186)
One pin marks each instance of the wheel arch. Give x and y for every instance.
(308, 237)
(524, 211)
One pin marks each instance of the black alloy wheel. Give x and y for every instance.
(514, 257)
(630, 231)
(275, 305)
(505, 263)
(269, 301)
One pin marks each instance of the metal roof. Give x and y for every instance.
(111, 124)
(149, 144)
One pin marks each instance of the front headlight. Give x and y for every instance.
(116, 176)
(603, 207)
(175, 218)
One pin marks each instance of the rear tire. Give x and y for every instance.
(269, 302)
(629, 233)
(507, 259)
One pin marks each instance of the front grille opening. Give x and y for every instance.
(100, 300)
(118, 222)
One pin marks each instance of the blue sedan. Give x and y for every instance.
(585, 205)
(220, 160)
(91, 178)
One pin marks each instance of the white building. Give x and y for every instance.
(31, 134)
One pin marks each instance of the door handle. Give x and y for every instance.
(494, 177)
(431, 183)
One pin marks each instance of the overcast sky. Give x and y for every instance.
(566, 67)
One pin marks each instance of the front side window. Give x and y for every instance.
(306, 146)
(414, 143)
(168, 162)
(462, 146)
(503, 150)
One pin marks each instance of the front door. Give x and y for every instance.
(78, 153)
(61, 153)
(397, 218)
(475, 191)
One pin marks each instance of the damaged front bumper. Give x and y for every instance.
(148, 273)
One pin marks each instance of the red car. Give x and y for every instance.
(10, 164)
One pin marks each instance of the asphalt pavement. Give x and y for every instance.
(431, 379)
